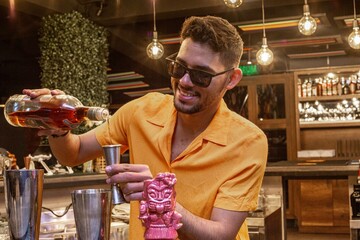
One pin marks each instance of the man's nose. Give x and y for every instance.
(186, 80)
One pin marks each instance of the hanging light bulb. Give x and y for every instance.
(264, 56)
(249, 62)
(354, 37)
(233, 3)
(155, 49)
(307, 24)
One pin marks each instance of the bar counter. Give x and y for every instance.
(57, 188)
(288, 169)
(313, 169)
(277, 174)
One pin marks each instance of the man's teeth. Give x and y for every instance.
(187, 94)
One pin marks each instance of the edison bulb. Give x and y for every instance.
(155, 50)
(354, 37)
(264, 56)
(307, 24)
(233, 3)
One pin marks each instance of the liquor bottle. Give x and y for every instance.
(355, 201)
(352, 84)
(319, 87)
(299, 88)
(339, 86)
(314, 90)
(304, 88)
(261, 201)
(50, 112)
(358, 84)
(346, 88)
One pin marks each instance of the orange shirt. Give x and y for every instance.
(223, 167)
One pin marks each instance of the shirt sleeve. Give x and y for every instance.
(240, 192)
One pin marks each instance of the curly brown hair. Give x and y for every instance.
(218, 33)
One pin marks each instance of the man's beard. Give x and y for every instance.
(180, 107)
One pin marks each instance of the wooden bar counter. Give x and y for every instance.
(57, 188)
(325, 203)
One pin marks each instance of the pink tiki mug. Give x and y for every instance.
(157, 211)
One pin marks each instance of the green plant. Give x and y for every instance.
(74, 57)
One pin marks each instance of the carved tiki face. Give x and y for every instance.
(160, 194)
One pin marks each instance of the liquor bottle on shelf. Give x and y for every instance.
(352, 84)
(304, 88)
(346, 88)
(299, 88)
(324, 87)
(339, 87)
(358, 84)
(50, 112)
(314, 90)
(319, 87)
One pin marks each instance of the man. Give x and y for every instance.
(218, 157)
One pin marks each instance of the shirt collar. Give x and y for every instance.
(216, 132)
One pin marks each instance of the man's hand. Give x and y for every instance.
(130, 178)
(34, 93)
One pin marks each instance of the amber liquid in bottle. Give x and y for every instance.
(46, 118)
(50, 112)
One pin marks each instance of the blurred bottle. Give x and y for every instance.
(50, 112)
(261, 201)
(355, 201)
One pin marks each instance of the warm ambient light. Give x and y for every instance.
(233, 3)
(155, 49)
(354, 37)
(307, 24)
(264, 56)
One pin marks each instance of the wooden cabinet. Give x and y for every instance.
(323, 206)
(272, 103)
(268, 101)
(330, 121)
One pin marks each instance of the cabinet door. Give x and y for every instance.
(324, 206)
(237, 100)
(268, 101)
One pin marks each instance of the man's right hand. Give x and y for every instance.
(34, 93)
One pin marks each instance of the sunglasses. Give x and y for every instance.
(198, 77)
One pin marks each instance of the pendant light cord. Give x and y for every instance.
(154, 16)
(263, 17)
(355, 18)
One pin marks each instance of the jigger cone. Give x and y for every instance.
(112, 156)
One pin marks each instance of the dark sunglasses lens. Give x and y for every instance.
(201, 79)
(176, 70)
(198, 78)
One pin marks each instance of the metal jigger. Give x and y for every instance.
(112, 156)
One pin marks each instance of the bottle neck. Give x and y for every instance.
(97, 113)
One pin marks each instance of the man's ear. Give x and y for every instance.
(235, 78)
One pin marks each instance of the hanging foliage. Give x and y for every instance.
(74, 57)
